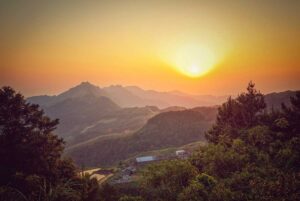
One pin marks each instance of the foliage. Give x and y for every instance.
(32, 167)
(27, 144)
(166, 179)
(131, 198)
(235, 114)
(199, 188)
(252, 155)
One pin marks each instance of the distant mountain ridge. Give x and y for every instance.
(275, 99)
(132, 96)
(87, 111)
(85, 88)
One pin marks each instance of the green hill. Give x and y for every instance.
(169, 129)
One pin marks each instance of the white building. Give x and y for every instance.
(180, 152)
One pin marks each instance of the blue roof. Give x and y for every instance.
(145, 159)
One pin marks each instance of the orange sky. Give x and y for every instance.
(49, 47)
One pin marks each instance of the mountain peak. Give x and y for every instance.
(83, 89)
(86, 84)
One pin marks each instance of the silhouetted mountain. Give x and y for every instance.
(84, 89)
(274, 100)
(173, 108)
(86, 112)
(175, 98)
(42, 100)
(76, 108)
(131, 96)
(164, 130)
(124, 97)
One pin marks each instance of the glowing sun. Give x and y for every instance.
(193, 70)
(193, 60)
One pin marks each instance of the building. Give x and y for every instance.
(145, 159)
(182, 154)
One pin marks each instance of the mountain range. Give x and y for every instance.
(132, 96)
(105, 125)
(87, 111)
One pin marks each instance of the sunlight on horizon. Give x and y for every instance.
(193, 60)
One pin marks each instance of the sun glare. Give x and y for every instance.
(193, 60)
(193, 70)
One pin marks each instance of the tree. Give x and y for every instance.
(27, 144)
(167, 179)
(292, 114)
(254, 155)
(251, 104)
(199, 189)
(31, 164)
(236, 114)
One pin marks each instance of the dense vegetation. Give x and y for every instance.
(31, 166)
(252, 154)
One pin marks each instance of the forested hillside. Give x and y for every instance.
(168, 129)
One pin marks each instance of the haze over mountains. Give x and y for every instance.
(104, 125)
(87, 109)
(132, 96)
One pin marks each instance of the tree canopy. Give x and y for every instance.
(31, 165)
(252, 154)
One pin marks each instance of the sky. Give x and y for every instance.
(198, 47)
